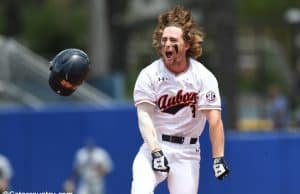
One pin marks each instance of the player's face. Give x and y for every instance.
(173, 48)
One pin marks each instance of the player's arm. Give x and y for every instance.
(105, 166)
(69, 184)
(216, 133)
(145, 113)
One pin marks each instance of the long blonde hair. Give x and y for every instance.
(181, 18)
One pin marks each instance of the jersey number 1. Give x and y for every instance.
(193, 108)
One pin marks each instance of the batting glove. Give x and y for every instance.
(159, 162)
(220, 168)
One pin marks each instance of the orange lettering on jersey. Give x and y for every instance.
(172, 104)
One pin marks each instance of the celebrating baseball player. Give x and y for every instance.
(174, 96)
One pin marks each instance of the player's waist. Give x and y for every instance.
(177, 139)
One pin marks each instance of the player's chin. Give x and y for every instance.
(168, 60)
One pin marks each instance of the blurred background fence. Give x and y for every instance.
(24, 80)
(252, 46)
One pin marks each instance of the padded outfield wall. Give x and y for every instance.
(41, 145)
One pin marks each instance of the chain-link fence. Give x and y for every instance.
(24, 80)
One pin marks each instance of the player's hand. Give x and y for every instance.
(69, 186)
(220, 168)
(159, 162)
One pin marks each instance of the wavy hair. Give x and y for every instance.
(181, 18)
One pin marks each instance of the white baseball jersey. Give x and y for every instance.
(87, 163)
(178, 98)
(5, 167)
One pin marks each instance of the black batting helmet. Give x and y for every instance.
(69, 69)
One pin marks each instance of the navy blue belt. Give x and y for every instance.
(178, 139)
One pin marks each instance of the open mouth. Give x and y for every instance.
(169, 54)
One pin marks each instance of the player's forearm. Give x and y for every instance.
(216, 132)
(146, 126)
(148, 134)
(217, 138)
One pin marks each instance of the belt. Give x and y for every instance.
(179, 140)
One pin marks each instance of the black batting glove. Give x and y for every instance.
(220, 168)
(159, 162)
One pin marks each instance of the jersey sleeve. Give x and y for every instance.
(104, 160)
(143, 89)
(209, 95)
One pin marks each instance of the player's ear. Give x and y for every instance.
(187, 46)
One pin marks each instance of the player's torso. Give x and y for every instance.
(88, 164)
(176, 98)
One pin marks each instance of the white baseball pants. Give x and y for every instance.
(183, 177)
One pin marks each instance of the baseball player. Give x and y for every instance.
(6, 173)
(92, 164)
(174, 96)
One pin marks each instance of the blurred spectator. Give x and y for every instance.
(278, 107)
(92, 164)
(5, 173)
(297, 118)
